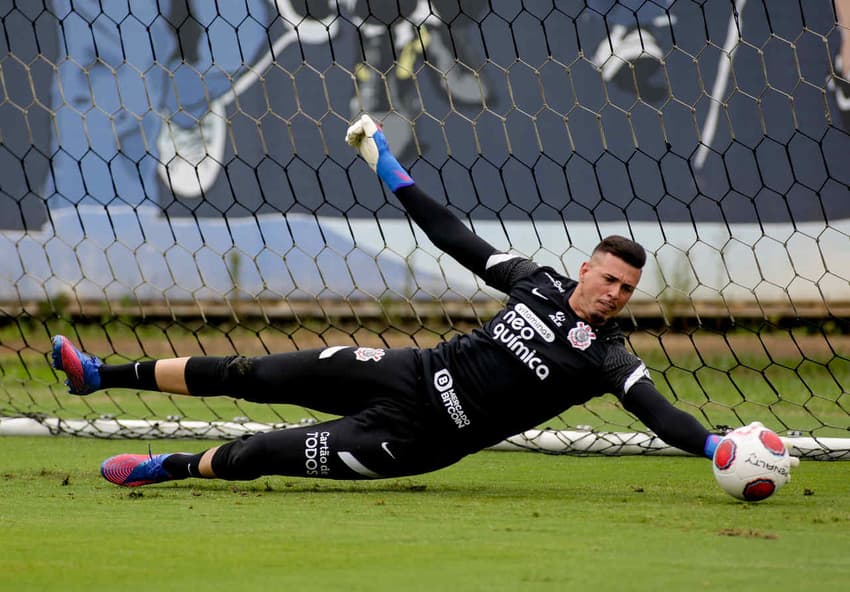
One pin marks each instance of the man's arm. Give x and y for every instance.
(676, 427)
(444, 229)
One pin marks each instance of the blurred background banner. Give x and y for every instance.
(191, 151)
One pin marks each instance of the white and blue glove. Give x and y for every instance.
(365, 135)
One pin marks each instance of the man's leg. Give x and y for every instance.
(371, 445)
(335, 380)
(170, 376)
(377, 389)
(86, 373)
(341, 380)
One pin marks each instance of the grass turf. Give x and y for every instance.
(495, 521)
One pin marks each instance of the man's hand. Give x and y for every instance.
(366, 136)
(361, 135)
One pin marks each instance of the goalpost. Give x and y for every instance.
(176, 183)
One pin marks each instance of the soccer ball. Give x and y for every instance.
(751, 463)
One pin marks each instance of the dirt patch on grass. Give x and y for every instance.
(748, 533)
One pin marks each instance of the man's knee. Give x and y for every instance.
(240, 460)
(218, 375)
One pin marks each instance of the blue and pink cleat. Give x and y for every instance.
(133, 470)
(82, 370)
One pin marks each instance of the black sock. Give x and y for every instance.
(139, 375)
(181, 466)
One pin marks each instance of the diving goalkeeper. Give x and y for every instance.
(408, 411)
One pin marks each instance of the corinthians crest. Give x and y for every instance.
(581, 336)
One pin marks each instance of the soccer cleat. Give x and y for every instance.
(82, 370)
(190, 157)
(133, 470)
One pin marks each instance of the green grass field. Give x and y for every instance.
(495, 521)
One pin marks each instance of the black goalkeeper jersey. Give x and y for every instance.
(536, 357)
(530, 362)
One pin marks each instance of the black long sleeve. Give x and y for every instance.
(676, 427)
(446, 230)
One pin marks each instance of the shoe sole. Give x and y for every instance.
(69, 362)
(118, 468)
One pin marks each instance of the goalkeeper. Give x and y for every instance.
(408, 411)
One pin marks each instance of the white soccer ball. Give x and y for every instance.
(751, 463)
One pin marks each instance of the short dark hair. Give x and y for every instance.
(624, 248)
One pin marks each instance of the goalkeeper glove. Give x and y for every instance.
(365, 135)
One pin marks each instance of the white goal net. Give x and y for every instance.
(175, 182)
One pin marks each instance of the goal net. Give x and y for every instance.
(175, 182)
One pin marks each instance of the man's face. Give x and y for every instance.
(605, 284)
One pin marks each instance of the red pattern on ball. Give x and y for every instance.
(772, 442)
(724, 456)
(759, 489)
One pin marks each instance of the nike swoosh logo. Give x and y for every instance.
(136, 370)
(385, 446)
(537, 293)
(329, 351)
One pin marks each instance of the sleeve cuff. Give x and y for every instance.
(711, 442)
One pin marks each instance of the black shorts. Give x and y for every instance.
(388, 428)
